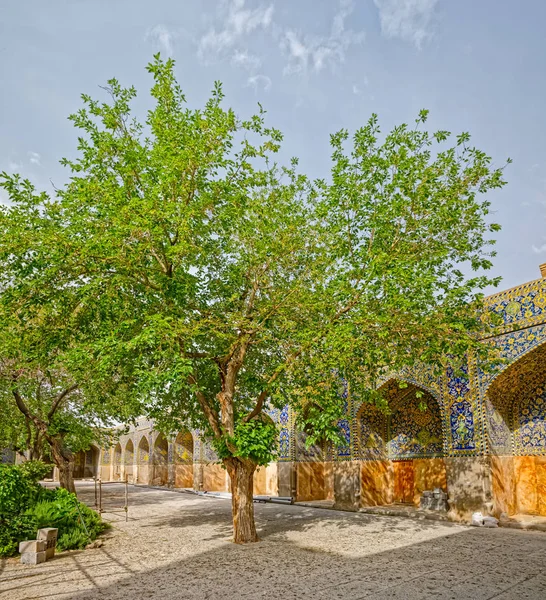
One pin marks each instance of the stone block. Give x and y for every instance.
(215, 478)
(49, 536)
(47, 533)
(32, 546)
(272, 480)
(183, 476)
(33, 558)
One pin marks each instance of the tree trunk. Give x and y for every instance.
(241, 473)
(64, 461)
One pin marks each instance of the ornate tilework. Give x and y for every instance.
(499, 437)
(530, 436)
(413, 432)
(372, 433)
(461, 419)
(345, 429)
(143, 450)
(183, 448)
(106, 456)
(129, 455)
(284, 444)
(522, 306)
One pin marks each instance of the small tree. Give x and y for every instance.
(238, 281)
(56, 397)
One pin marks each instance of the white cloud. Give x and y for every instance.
(161, 38)
(14, 167)
(539, 249)
(306, 52)
(357, 89)
(237, 21)
(241, 58)
(409, 20)
(256, 80)
(34, 158)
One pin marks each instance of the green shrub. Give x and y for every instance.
(17, 491)
(34, 470)
(26, 506)
(13, 530)
(77, 524)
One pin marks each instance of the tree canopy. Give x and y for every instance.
(218, 280)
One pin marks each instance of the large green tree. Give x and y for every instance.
(238, 281)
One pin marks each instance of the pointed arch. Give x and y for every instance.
(129, 454)
(515, 421)
(129, 460)
(143, 460)
(161, 461)
(117, 462)
(183, 454)
(183, 447)
(143, 456)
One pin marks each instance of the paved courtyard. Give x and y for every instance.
(176, 545)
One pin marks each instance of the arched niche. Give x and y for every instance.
(143, 459)
(183, 459)
(161, 461)
(515, 416)
(129, 460)
(401, 447)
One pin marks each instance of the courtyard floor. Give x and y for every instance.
(177, 545)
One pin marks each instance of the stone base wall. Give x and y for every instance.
(314, 481)
(519, 485)
(183, 476)
(468, 487)
(347, 486)
(376, 482)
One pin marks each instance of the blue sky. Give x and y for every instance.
(315, 65)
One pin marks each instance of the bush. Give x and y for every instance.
(17, 490)
(13, 530)
(77, 524)
(26, 506)
(35, 470)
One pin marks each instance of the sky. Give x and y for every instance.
(315, 65)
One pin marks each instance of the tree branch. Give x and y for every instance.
(59, 399)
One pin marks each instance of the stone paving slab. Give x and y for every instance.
(178, 546)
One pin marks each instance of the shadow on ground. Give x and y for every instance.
(304, 553)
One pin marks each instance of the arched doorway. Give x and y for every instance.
(161, 461)
(515, 407)
(129, 460)
(183, 460)
(401, 447)
(86, 463)
(143, 461)
(117, 462)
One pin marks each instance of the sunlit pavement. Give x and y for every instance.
(177, 545)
